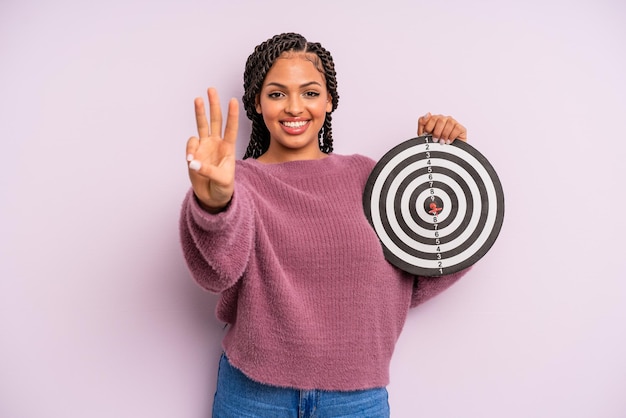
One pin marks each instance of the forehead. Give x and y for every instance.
(296, 66)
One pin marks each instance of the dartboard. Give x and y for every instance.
(437, 209)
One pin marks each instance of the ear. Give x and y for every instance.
(329, 104)
(257, 104)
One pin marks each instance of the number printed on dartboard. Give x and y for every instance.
(434, 206)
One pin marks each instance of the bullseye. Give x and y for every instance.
(437, 209)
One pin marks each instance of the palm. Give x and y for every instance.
(212, 169)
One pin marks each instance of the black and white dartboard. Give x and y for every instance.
(437, 209)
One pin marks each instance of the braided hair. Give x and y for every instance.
(257, 67)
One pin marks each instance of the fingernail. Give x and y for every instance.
(435, 139)
(189, 157)
(195, 165)
(426, 116)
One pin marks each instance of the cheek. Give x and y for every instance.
(267, 110)
(266, 120)
(270, 117)
(324, 108)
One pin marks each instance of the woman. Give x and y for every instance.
(314, 310)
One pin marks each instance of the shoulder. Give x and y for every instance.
(359, 161)
(248, 167)
(355, 168)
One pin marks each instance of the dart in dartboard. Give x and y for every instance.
(437, 209)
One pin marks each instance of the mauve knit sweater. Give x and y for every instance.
(310, 300)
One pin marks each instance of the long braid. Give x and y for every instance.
(326, 144)
(328, 65)
(257, 67)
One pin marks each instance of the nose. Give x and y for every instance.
(294, 106)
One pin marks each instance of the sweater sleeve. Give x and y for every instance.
(217, 246)
(425, 288)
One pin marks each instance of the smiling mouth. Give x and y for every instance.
(298, 124)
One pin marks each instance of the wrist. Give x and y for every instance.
(211, 208)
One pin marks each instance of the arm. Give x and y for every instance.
(217, 246)
(215, 228)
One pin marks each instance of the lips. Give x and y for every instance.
(295, 127)
(297, 124)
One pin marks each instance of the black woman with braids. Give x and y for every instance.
(313, 308)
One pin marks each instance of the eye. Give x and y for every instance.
(275, 95)
(311, 94)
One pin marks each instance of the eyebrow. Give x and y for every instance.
(282, 86)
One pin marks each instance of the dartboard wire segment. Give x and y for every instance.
(437, 209)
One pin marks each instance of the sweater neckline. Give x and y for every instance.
(299, 168)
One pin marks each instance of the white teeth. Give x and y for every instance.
(295, 124)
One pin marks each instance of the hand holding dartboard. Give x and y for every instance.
(437, 209)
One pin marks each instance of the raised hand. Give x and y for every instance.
(444, 128)
(211, 155)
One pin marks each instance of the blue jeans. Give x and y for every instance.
(237, 396)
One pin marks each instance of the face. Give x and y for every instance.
(294, 102)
